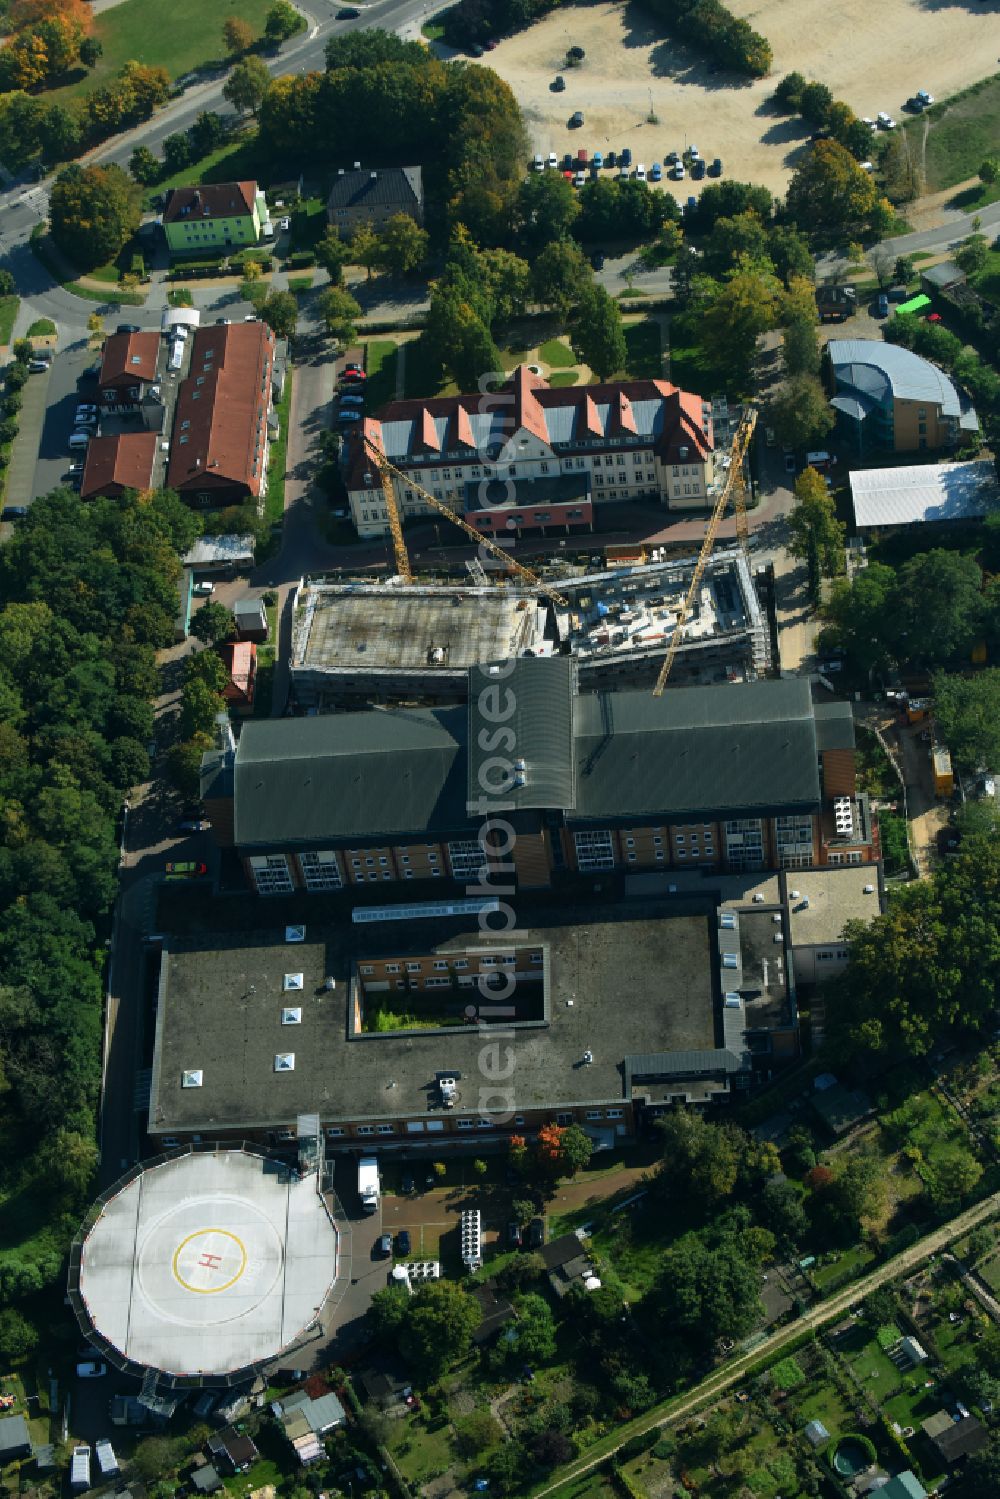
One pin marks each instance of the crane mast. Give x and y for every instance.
(386, 472)
(733, 488)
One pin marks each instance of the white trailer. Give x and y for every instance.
(369, 1188)
(79, 1469)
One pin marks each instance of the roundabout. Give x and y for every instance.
(208, 1263)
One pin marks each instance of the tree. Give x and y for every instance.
(705, 1294)
(404, 244)
(699, 1159)
(143, 166)
(207, 132)
(967, 711)
(281, 22)
(938, 608)
(387, 1311)
(339, 312)
(814, 530)
(547, 208)
(800, 348)
(95, 330)
(576, 1148)
(815, 103)
(155, 1457)
(788, 94)
(904, 269)
(437, 1327)
(828, 192)
(177, 152)
(733, 313)
(989, 172)
(331, 253)
(247, 85)
(782, 1210)
(237, 35)
(212, 623)
(93, 212)
(366, 249)
(533, 1335)
(561, 276)
(280, 311)
(18, 1337)
(477, 1432)
(800, 412)
(550, 1448)
(972, 254)
(598, 332)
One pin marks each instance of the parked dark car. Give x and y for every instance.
(513, 1235)
(476, 50)
(559, 84)
(881, 305)
(128, 328)
(597, 260)
(576, 52)
(576, 120)
(698, 169)
(89, 376)
(403, 1241)
(348, 13)
(406, 1184)
(536, 1232)
(385, 1246)
(14, 512)
(715, 170)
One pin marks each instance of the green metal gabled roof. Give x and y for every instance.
(349, 775)
(749, 749)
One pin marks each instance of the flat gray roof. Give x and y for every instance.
(209, 1263)
(835, 896)
(373, 627)
(642, 977)
(924, 492)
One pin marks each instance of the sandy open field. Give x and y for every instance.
(871, 53)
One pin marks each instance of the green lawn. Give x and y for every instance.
(180, 41)
(564, 377)
(644, 359)
(987, 281)
(557, 353)
(300, 284)
(8, 313)
(421, 1452)
(42, 327)
(274, 504)
(422, 376)
(961, 135)
(308, 223)
(433, 30)
(235, 160)
(381, 362)
(265, 666)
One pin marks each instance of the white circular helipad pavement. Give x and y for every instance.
(209, 1263)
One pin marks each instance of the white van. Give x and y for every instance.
(820, 461)
(78, 442)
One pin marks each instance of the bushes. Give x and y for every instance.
(817, 106)
(712, 27)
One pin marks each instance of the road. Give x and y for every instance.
(812, 1320)
(944, 237)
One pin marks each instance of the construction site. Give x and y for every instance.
(388, 642)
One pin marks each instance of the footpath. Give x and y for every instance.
(717, 1384)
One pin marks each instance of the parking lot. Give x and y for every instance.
(638, 89)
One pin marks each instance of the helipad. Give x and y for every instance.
(208, 1263)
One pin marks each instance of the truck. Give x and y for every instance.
(107, 1459)
(368, 1183)
(79, 1468)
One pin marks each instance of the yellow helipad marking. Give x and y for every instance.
(208, 1260)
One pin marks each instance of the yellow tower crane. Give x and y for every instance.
(386, 471)
(734, 488)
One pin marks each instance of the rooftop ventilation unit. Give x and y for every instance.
(732, 1000)
(284, 1061)
(869, 889)
(794, 894)
(192, 1078)
(295, 934)
(758, 898)
(727, 921)
(291, 1015)
(292, 981)
(329, 984)
(449, 1091)
(730, 960)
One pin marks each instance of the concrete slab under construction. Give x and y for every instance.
(208, 1263)
(400, 641)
